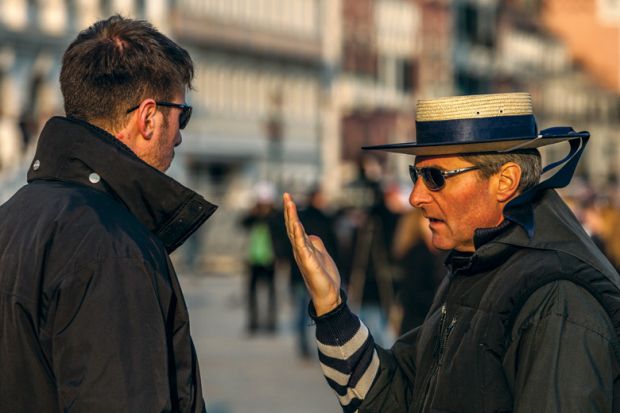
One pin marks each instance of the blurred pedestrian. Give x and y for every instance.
(610, 233)
(262, 225)
(526, 319)
(421, 268)
(371, 281)
(92, 314)
(592, 221)
(602, 221)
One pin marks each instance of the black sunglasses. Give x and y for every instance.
(186, 111)
(435, 178)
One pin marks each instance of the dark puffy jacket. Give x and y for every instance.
(92, 317)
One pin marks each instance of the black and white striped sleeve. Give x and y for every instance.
(347, 354)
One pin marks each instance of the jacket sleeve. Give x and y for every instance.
(365, 377)
(562, 355)
(108, 339)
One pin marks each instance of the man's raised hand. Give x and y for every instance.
(316, 265)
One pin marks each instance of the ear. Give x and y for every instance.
(508, 179)
(146, 118)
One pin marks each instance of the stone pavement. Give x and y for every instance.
(242, 374)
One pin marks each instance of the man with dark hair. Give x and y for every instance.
(91, 312)
(527, 318)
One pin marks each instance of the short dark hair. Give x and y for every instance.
(528, 159)
(115, 64)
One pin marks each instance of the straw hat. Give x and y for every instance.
(501, 122)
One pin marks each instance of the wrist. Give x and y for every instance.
(325, 307)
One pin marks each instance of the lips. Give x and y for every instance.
(433, 219)
(434, 222)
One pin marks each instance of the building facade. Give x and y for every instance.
(527, 45)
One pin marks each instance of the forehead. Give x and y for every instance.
(441, 161)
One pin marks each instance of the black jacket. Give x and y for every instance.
(92, 317)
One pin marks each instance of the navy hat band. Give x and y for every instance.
(475, 130)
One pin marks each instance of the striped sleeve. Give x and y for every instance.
(347, 354)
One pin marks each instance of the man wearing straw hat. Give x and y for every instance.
(527, 318)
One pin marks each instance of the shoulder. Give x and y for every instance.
(563, 340)
(86, 221)
(567, 302)
(526, 271)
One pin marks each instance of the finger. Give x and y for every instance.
(290, 215)
(317, 243)
(300, 239)
(298, 234)
(292, 209)
(285, 199)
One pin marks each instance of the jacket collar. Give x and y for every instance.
(71, 150)
(465, 262)
(556, 229)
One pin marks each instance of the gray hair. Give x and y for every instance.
(528, 159)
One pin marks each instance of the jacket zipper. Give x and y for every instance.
(444, 334)
(444, 340)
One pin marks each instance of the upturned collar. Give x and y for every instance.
(556, 229)
(73, 150)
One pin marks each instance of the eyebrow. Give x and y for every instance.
(426, 158)
(431, 166)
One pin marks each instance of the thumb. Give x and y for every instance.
(317, 243)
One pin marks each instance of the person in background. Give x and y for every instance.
(261, 224)
(602, 220)
(421, 268)
(371, 280)
(92, 315)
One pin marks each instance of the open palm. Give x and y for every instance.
(316, 265)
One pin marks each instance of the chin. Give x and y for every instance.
(165, 165)
(442, 243)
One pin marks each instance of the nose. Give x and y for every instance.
(420, 195)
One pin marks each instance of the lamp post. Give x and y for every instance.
(274, 129)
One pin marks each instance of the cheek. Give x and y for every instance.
(167, 139)
(469, 211)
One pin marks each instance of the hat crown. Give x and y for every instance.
(490, 123)
(474, 106)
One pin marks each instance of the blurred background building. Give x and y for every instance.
(288, 90)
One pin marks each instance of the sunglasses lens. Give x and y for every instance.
(413, 174)
(186, 114)
(433, 178)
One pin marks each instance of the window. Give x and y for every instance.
(407, 75)
(53, 16)
(478, 24)
(14, 13)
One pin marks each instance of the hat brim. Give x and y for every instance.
(496, 145)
